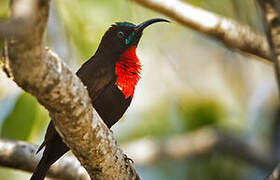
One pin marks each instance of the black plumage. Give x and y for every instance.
(99, 77)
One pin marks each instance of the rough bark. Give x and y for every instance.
(39, 71)
(20, 155)
(231, 33)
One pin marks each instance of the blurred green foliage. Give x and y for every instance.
(13, 174)
(21, 122)
(4, 9)
(198, 113)
(77, 17)
(3, 15)
(190, 114)
(1, 45)
(211, 167)
(215, 167)
(195, 2)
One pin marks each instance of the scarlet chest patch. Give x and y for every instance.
(128, 70)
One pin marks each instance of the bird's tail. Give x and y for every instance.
(41, 170)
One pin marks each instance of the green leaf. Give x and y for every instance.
(19, 123)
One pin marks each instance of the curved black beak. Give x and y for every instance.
(139, 28)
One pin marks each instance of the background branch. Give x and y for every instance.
(20, 155)
(203, 141)
(233, 34)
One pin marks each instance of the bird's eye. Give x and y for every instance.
(120, 34)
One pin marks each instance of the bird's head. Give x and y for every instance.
(124, 35)
(119, 46)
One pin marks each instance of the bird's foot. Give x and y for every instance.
(127, 159)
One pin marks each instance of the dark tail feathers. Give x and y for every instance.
(41, 170)
(54, 149)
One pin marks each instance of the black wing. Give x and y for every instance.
(96, 76)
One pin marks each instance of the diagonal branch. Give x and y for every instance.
(233, 34)
(41, 73)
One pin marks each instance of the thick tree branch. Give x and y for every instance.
(230, 32)
(39, 72)
(20, 155)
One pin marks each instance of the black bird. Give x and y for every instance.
(110, 77)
